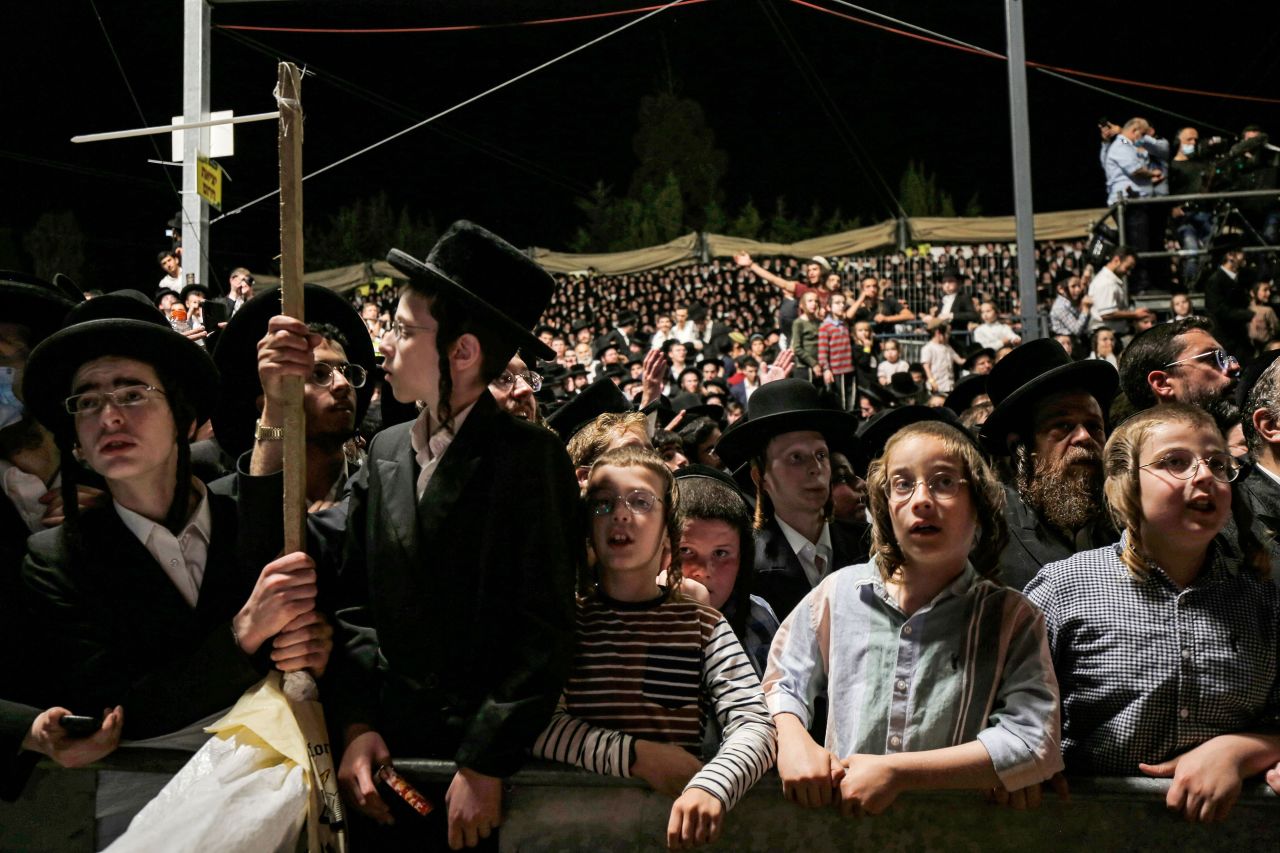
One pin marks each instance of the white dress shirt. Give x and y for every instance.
(429, 444)
(815, 558)
(183, 557)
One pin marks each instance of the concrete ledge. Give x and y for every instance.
(555, 808)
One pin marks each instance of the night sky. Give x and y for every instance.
(515, 161)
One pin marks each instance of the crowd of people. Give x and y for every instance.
(657, 526)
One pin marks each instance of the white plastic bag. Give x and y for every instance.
(249, 788)
(229, 796)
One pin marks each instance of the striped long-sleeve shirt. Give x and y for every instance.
(972, 664)
(655, 670)
(835, 349)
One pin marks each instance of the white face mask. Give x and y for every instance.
(10, 406)
(1189, 149)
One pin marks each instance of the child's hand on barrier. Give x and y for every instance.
(666, 767)
(696, 818)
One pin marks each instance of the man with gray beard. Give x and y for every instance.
(1048, 420)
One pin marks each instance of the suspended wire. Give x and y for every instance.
(446, 29)
(187, 223)
(843, 131)
(951, 42)
(484, 146)
(457, 106)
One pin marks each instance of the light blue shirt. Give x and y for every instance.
(1123, 160)
(1158, 151)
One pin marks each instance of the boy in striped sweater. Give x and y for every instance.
(835, 353)
(650, 666)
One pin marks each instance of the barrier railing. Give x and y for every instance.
(1116, 211)
(551, 807)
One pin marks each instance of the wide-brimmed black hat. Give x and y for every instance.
(577, 370)
(119, 305)
(875, 432)
(1031, 371)
(194, 288)
(787, 405)
(1226, 242)
(506, 289)
(976, 351)
(876, 394)
(961, 398)
(903, 387)
(696, 471)
(611, 340)
(32, 302)
(160, 294)
(88, 333)
(236, 357)
(598, 398)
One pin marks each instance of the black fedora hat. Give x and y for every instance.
(875, 432)
(236, 357)
(696, 471)
(194, 288)
(32, 302)
(598, 398)
(786, 405)
(87, 334)
(1034, 370)
(119, 305)
(903, 387)
(962, 396)
(877, 394)
(507, 289)
(1226, 242)
(974, 352)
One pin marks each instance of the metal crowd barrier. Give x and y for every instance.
(1117, 209)
(554, 808)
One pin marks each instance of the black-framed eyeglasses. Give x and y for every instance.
(91, 402)
(1184, 465)
(941, 487)
(638, 501)
(507, 380)
(322, 374)
(1226, 363)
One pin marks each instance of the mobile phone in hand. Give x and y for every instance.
(78, 726)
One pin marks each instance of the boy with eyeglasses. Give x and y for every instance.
(336, 393)
(460, 551)
(144, 602)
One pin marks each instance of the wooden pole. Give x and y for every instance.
(289, 97)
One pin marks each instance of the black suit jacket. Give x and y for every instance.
(1227, 303)
(112, 629)
(15, 766)
(1263, 496)
(963, 311)
(779, 577)
(457, 630)
(1032, 545)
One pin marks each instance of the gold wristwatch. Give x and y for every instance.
(267, 433)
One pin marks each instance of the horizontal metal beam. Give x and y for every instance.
(169, 128)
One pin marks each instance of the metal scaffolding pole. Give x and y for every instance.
(195, 108)
(1021, 135)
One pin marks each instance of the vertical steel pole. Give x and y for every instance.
(195, 107)
(1021, 135)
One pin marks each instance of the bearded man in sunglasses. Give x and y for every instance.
(1182, 362)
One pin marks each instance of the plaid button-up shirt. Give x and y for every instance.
(1147, 670)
